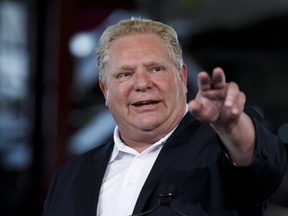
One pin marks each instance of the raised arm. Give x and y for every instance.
(221, 104)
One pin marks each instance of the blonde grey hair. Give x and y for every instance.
(137, 25)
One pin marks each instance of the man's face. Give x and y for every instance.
(144, 90)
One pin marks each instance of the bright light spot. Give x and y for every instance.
(82, 44)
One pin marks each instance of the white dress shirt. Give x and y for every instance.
(125, 176)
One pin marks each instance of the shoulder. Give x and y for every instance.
(77, 162)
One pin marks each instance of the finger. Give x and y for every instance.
(239, 104)
(204, 81)
(218, 78)
(194, 107)
(215, 95)
(232, 93)
(233, 113)
(203, 111)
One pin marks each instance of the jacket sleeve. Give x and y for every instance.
(254, 184)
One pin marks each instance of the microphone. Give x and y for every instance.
(166, 194)
(161, 201)
(167, 198)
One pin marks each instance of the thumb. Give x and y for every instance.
(194, 107)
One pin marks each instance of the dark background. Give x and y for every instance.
(51, 107)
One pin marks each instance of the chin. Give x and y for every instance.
(149, 126)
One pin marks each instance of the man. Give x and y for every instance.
(167, 157)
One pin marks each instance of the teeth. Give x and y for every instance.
(143, 103)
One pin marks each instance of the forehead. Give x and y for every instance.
(136, 46)
(130, 40)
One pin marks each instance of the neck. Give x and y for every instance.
(138, 144)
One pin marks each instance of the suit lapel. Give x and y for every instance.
(165, 160)
(90, 180)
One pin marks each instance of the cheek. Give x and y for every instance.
(110, 98)
(115, 96)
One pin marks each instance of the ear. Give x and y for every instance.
(183, 75)
(104, 89)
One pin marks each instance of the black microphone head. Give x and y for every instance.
(163, 190)
(166, 193)
(171, 190)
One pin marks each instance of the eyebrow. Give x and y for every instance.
(126, 67)
(147, 65)
(152, 63)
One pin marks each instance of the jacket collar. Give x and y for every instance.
(165, 160)
(90, 180)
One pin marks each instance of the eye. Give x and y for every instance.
(157, 69)
(123, 75)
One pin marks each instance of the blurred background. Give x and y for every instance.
(52, 109)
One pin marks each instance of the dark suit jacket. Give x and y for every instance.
(193, 160)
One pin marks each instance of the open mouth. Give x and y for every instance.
(145, 103)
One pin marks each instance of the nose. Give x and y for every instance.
(142, 81)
